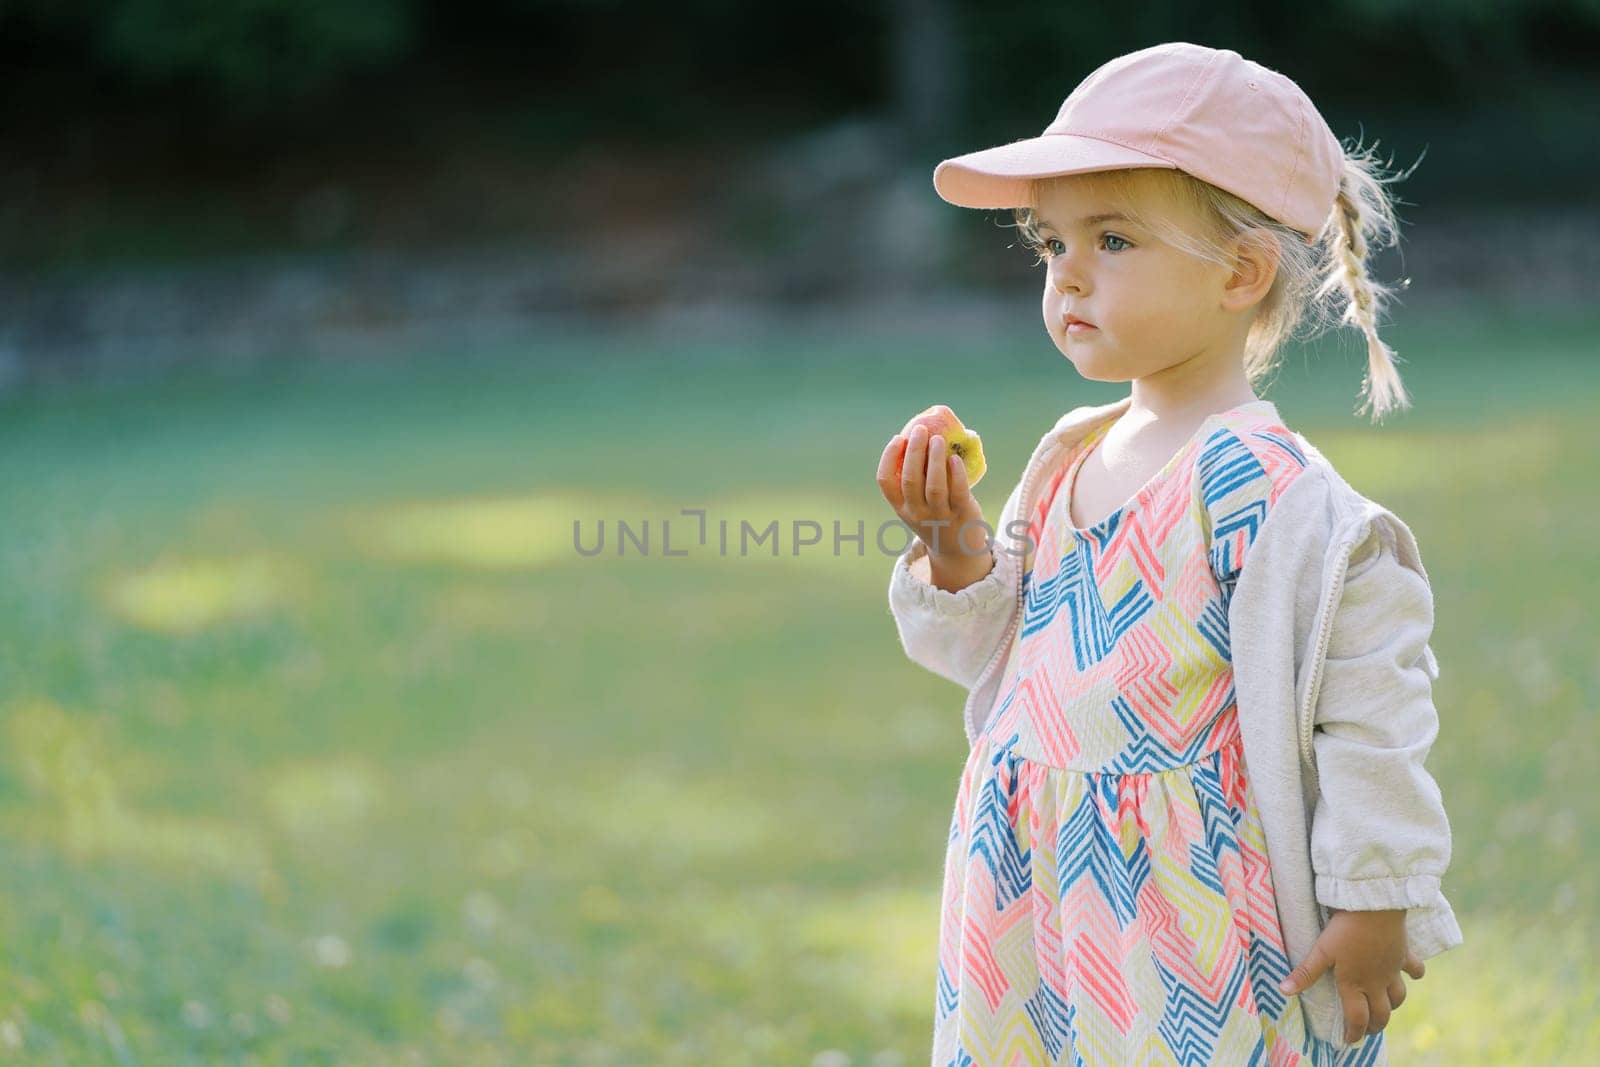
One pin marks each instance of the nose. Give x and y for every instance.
(1066, 273)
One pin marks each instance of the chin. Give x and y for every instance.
(1089, 368)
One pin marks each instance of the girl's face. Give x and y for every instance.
(1150, 304)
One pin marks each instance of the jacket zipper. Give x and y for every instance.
(1308, 713)
(1324, 635)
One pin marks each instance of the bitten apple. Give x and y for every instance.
(939, 419)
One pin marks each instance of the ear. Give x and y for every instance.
(1256, 254)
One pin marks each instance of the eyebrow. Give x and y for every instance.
(1088, 220)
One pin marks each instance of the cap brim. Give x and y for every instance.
(998, 177)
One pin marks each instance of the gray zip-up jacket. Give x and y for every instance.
(1329, 629)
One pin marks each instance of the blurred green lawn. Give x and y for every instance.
(323, 744)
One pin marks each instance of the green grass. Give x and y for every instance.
(322, 744)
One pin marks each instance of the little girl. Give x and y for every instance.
(1194, 826)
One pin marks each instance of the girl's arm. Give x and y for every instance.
(1380, 838)
(954, 634)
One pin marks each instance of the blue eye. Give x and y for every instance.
(1049, 244)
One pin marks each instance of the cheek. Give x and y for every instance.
(1172, 312)
(1145, 303)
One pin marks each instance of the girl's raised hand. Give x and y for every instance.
(926, 485)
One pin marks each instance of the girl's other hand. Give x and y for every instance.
(926, 485)
(1367, 952)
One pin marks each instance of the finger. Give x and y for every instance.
(1413, 966)
(1397, 992)
(1378, 1011)
(1355, 1014)
(960, 491)
(938, 474)
(914, 470)
(1310, 969)
(973, 541)
(889, 471)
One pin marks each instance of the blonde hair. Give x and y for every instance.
(1309, 273)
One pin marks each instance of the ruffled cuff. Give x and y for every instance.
(1377, 894)
(1431, 927)
(1432, 930)
(985, 595)
(954, 635)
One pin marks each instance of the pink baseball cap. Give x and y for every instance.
(1208, 111)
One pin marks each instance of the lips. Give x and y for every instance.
(1072, 322)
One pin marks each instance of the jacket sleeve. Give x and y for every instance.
(954, 634)
(1379, 835)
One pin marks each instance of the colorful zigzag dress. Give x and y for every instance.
(1107, 899)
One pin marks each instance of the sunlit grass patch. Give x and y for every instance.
(1512, 992)
(1460, 460)
(187, 595)
(869, 949)
(491, 533)
(324, 797)
(68, 768)
(877, 943)
(677, 818)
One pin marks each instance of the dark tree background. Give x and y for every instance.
(149, 128)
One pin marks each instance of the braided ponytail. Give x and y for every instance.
(1363, 215)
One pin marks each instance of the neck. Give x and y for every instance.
(1190, 390)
